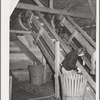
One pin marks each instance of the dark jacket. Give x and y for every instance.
(70, 61)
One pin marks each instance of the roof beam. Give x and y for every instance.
(52, 11)
(74, 5)
(93, 7)
(92, 83)
(25, 49)
(19, 32)
(82, 32)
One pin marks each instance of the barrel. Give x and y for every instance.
(36, 74)
(73, 86)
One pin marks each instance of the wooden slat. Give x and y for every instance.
(51, 4)
(54, 34)
(93, 7)
(52, 11)
(71, 37)
(85, 43)
(86, 75)
(38, 36)
(44, 51)
(19, 32)
(51, 30)
(28, 39)
(26, 50)
(57, 67)
(82, 32)
(46, 37)
(84, 72)
(10, 87)
(79, 37)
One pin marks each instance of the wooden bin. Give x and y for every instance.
(36, 74)
(73, 87)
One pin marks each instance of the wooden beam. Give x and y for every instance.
(91, 82)
(87, 76)
(10, 87)
(46, 38)
(51, 4)
(57, 68)
(52, 11)
(82, 31)
(19, 32)
(80, 37)
(74, 46)
(74, 33)
(26, 50)
(38, 36)
(74, 5)
(44, 51)
(43, 33)
(54, 34)
(28, 39)
(93, 8)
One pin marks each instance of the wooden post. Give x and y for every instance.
(10, 87)
(73, 35)
(57, 61)
(44, 74)
(51, 3)
(92, 4)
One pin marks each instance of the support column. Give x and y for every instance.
(57, 61)
(51, 3)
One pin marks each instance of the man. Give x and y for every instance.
(69, 64)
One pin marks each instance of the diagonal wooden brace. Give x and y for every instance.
(39, 34)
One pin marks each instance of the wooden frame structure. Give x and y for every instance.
(52, 11)
(44, 41)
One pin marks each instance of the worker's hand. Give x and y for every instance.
(79, 70)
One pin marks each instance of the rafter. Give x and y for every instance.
(92, 83)
(52, 11)
(93, 7)
(74, 5)
(25, 49)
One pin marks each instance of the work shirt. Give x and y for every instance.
(70, 61)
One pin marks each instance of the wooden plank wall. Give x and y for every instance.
(46, 44)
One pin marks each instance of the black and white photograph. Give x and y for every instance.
(52, 50)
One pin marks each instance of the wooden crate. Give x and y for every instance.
(73, 86)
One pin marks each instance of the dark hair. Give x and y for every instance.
(81, 50)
